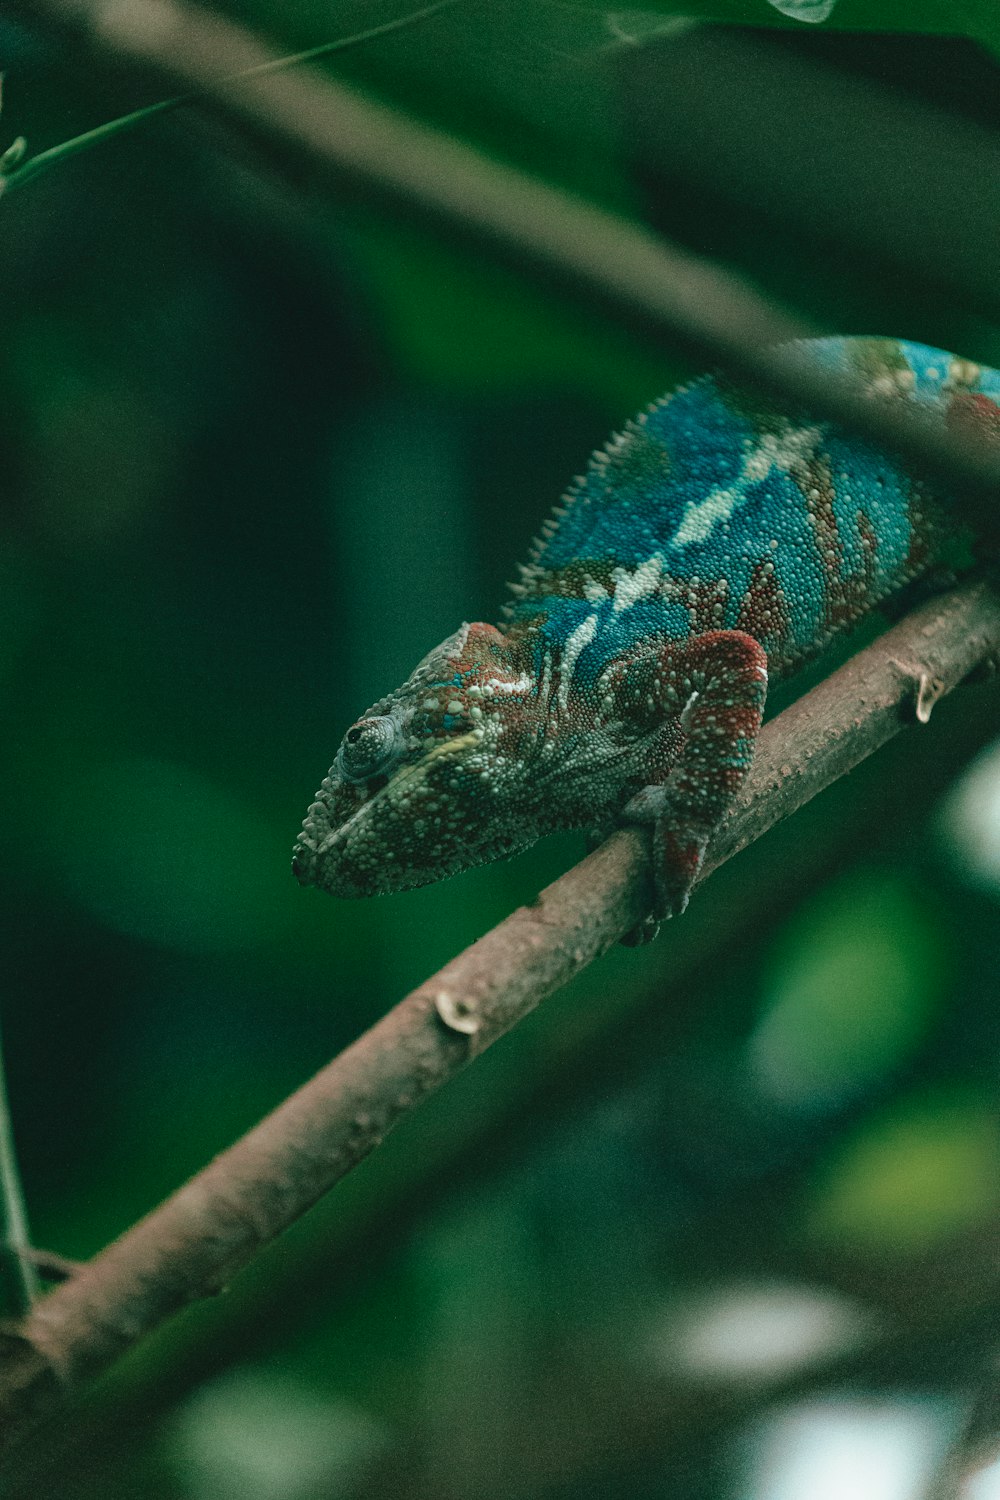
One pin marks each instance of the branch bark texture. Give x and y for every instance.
(199, 1238)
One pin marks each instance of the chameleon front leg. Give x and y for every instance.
(717, 682)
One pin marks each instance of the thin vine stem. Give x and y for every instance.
(22, 172)
(17, 1270)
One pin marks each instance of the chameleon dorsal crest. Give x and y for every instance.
(717, 541)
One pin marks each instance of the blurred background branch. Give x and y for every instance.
(20, 1279)
(335, 130)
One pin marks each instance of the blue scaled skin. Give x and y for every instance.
(718, 540)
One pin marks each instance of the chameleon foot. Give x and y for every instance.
(676, 855)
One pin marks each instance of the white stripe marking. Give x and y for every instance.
(578, 641)
(631, 587)
(494, 685)
(782, 450)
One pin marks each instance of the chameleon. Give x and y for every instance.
(716, 542)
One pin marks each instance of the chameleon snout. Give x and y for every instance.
(338, 851)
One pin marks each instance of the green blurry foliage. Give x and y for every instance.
(160, 853)
(426, 295)
(911, 1177)
(19, 609)
(851, 985)
(215, 391)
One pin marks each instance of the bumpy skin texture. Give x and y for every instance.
(715, 541)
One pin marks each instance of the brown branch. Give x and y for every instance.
(51, 1265)
(336, 130)
(201, 1235)
(197, 1239)
(580, 1045)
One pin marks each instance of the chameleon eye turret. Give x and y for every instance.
(368, 747)
(717, 542)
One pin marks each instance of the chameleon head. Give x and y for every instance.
(432, 779)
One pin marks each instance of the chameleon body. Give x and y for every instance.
(714, 542)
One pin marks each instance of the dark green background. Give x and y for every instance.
(264, 445)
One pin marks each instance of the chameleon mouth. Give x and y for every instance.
(383, 843)
(317, 832)
(328, 867)
(339, 850)
(315, 855)
(304, 861)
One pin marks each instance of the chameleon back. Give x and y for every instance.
(717, 541)
(715, 511)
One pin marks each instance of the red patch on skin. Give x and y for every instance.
(848, 598)
(919, 551)
(726, 715)
(869, 541)
(844, 599)
(703, 599)
(975, 416)
(763, 613)
(816, 483)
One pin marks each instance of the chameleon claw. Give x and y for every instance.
(646, 931)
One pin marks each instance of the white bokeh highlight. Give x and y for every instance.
(971, 820)
(749, 1334)
(851, 1449)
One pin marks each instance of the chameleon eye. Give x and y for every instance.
(368, 747)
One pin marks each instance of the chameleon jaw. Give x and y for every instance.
(413, 830)
(318, 856)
